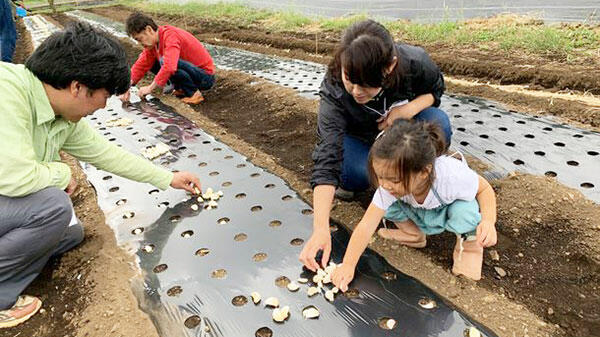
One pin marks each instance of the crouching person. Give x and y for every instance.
(179, 61)
(68, 77)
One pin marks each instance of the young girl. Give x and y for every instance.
(424, 192)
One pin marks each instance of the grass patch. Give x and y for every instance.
(340, 23)
(69, 7)
(504, 33)
(237, 12)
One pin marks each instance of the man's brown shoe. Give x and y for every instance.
(25, 307)
(197, 98)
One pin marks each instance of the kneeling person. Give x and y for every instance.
(174, 55)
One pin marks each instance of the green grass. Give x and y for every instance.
(504, 35)
(230, 11)
(35, 2)
(340, 23)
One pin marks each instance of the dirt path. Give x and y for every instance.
(86, 292)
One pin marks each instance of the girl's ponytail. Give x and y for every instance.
(436, 136)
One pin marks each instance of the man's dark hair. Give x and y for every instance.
(137, 22)
(84, 54)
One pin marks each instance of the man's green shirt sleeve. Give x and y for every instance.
(31, 137)
(85, 144)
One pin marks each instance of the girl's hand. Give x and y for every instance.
(486, 234)
(343, 275)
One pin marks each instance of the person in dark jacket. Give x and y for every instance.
(370, 82)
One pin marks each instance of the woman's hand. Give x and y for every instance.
(486, 234)
(186, 181)
(343, 275)
(319, 240)
(405, 111)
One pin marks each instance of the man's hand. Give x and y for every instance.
(342, 276)
(486, 234)
(319, 240)
(125, 97)
(71, 187)
(144, 91)
(186, 181)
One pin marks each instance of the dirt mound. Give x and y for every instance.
(503, 69)
(288, 42)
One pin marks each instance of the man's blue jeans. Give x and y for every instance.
(8, 32)
(188, 77)
(355, 173)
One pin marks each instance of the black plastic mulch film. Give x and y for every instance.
(200, 265)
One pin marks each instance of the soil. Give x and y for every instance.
(86, 292)
(547, 246)
(24, 47)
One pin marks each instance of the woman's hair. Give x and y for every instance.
(408, 147)
(366, 50)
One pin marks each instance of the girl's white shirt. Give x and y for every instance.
(454, 180)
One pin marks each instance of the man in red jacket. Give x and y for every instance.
(177, 58)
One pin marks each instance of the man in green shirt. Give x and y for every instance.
(68, 77)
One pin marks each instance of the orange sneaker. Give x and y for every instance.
(197, 98)
(25, 307)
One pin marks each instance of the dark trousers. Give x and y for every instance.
(8, 32)
(188, 77)
(33, 229)
(355, 175)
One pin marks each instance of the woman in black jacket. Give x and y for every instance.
(371, 82)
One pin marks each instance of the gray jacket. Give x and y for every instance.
(339, 114)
